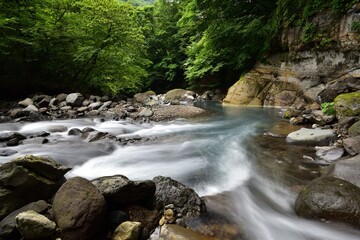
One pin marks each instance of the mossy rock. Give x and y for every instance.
(347, 105)
(354, 130)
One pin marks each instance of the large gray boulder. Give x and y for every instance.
(33, 225)
(8, 230)
(26, 180)
(185, 200)
(306, 136)
(119, 190)
(75, 99)
(79, 209)
(331, 199)
(352, 145)
(329, 153)
(347, 169)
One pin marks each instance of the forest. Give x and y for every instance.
(122, 47)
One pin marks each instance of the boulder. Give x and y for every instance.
(346, 169)
(119, 190)
(306, 136)
(329, 154)
(352, 145)
(79, 209)
(74, 132)
(8, 230)
(26, 102)
(347, 105)
(82, 109)
(23, 181)
(16, 113)
(33, 225)
(354, 130)
(143, 97)
(178, 94)
(185, 200)
(42, 166)
(11, 138)
(53, 102)
(330, 199)
(146, 112)
(75, 99)
(127, 231)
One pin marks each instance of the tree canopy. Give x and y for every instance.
(124, 46)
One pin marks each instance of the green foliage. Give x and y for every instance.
(328, 108)
(355, 27)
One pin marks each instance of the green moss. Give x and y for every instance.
(347, 105)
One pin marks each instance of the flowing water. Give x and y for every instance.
(232, 151)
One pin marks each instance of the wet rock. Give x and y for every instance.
(75, 99)
(127, 231)
(119, 190)
(65, 108)
(16, 113)
(171, 231)
(38, 140)
(347, 169)
(148, 218)
(297, 120)
(131, 109)
(25, 180)
(96, 136)
(82, 109)
(42, 166)
(105, 106)
(44, 102)
(57, 128)
(329, 154)
(11, 138)
(146, 112)
(115, 218)
(143, 97)
(8, 230)
(354, 130)
(331, 199)
(94, 105)
(7, 152)
(74, 132)
(347, 105)
(186, 201)
(178, 94)
(33, 225)
(168, 217)
(86, 103)
(320, 118)
(79, 209)
(306, 136)
(61, 97)
(53, 102)
(26, 102)
(352, 145)
(31, 108)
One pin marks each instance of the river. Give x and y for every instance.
(237, 150)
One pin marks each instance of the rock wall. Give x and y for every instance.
(305, 73)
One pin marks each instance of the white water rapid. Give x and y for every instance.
(225, 153)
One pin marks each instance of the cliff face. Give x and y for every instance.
(305, 73)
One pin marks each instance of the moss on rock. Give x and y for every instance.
(347, 105)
